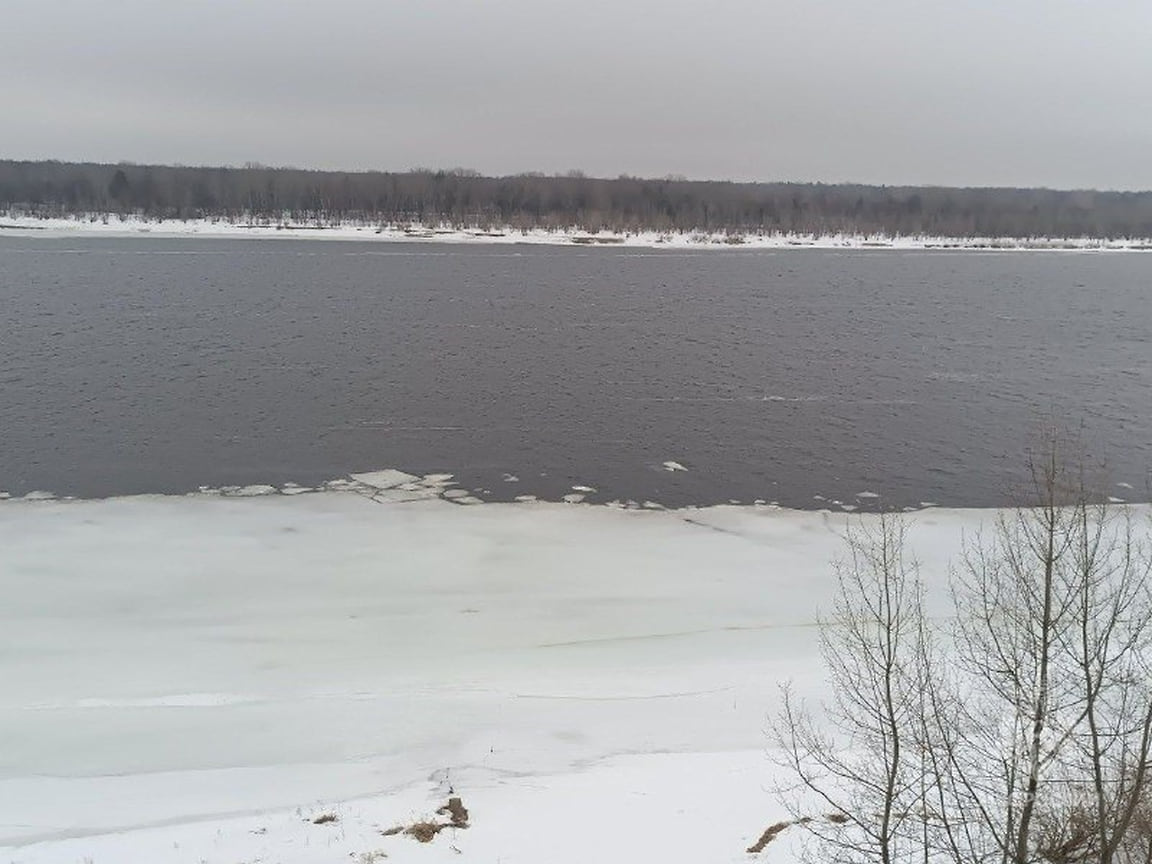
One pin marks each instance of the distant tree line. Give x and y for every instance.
(465, 198)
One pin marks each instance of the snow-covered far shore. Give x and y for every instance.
(105, 225)
(286, 677)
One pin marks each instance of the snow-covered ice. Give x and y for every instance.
(197, 678)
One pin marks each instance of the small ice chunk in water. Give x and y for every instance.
(254, 490)
(511, 478)
(4, 496)
(653, 505)
(673, 466)
(453, 494)
(583, 489)
(573, 497)
(1124, 485)
(437, 479)
(1112, 499)
(525, 499)
(867, 494)
(39, 495)
(389, 478)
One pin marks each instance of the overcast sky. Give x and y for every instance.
(969, 92)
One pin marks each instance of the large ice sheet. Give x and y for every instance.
(178, 671)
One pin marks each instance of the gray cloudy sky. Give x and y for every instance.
(979, 92)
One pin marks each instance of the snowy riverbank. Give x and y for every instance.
(20, 225)
(199, 678)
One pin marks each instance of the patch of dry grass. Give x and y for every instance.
(768, 836)
(425, 830)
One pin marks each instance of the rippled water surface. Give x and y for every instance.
(158, 366)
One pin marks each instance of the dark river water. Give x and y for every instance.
(161, 365)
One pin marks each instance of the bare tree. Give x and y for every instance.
(1026, 737)
(1111, 648)
(1050, 727)
(861, 767)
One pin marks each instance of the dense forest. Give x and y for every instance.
(465, 198)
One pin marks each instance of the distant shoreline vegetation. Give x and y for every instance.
(463, 199)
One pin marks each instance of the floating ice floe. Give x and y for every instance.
(583, 489)
(867, 494)
(671, 465)
(573, 498)
(402, 496)
(40, 495)
(252, 491)
(388, 478)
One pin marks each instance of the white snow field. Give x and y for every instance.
(19, 224)
(198, 679)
